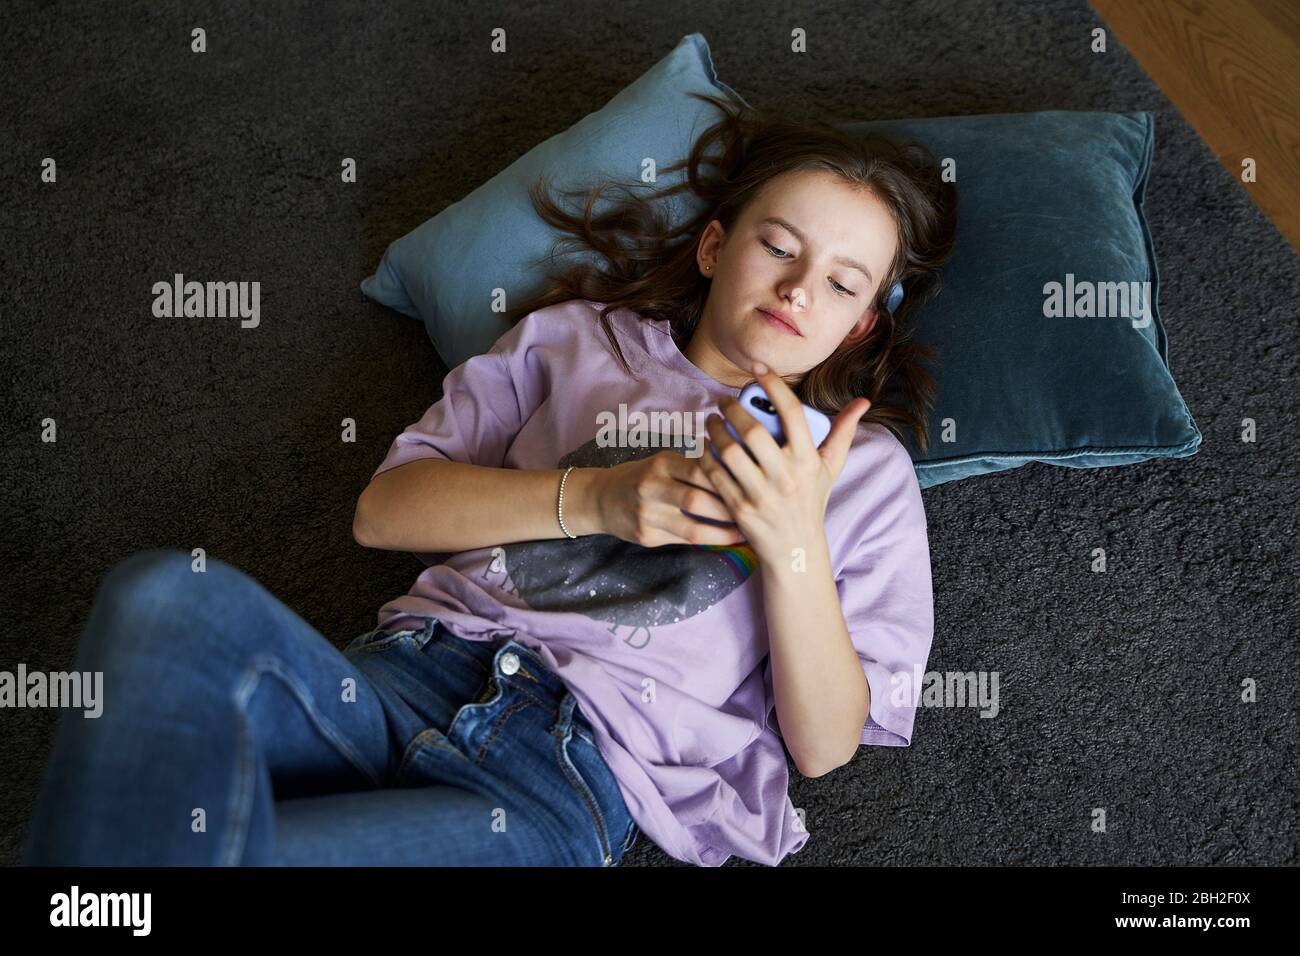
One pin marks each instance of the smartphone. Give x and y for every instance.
(755, 401)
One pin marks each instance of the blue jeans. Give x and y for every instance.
(233, 733)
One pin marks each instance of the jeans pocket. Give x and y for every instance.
(379, 639)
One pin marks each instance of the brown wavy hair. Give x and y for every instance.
(650, 267)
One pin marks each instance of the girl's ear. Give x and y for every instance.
(862, 328)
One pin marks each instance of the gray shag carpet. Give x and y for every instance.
(1119, 690)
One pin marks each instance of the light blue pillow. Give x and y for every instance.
(445, 271)
(1043, 197)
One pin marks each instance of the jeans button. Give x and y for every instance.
(509, 663)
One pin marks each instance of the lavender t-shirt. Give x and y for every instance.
(665, 649)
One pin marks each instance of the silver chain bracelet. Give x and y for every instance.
(559, 502)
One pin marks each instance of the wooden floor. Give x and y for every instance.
(1232, 67)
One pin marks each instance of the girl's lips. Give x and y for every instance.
(774, 321)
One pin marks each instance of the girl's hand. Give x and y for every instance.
(641, 501)
(779, 501)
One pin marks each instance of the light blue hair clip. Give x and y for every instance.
(895, 297)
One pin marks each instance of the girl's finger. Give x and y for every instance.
(681, 526)
(703, 502)
(688, 476)
(718, 476)
(745, 473)
(754, 438)
(790, 410)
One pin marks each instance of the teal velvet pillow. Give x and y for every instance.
(1049, 342)
(1048, 345)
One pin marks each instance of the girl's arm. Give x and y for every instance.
(443, 487)
(778, 497)
(822, 697)
(435, 505)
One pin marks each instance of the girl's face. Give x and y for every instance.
(810, 247)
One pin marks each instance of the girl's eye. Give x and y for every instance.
(784, 255)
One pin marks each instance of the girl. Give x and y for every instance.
(616, 632)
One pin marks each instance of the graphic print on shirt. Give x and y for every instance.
(609, 579)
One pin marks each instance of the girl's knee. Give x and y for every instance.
(145, 578)
(156, 588)
(143, 562)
